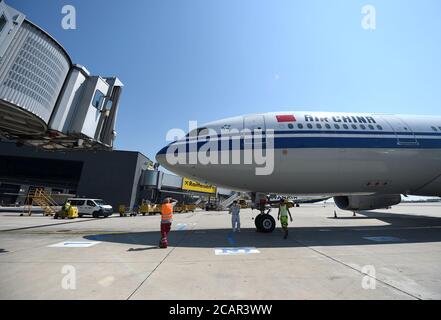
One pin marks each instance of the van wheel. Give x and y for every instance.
(96, 215)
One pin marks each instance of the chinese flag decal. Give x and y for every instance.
(286, 118)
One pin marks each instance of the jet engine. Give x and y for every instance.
(358, 203)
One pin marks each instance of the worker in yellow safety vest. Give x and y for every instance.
(66, 207)
(166, 220)
(283, 216)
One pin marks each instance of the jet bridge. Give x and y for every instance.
(46, 100)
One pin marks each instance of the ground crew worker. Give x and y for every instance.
(66, 207)
(235, 217)
(283, 216)
(166, 220)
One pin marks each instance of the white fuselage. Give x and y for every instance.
(317, 153)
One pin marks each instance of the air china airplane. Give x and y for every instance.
(365, 161)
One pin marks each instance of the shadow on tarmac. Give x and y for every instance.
(400, 229)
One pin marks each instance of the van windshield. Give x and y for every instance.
(100, 202)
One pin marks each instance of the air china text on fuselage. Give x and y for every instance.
(339, 118)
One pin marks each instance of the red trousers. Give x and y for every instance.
(165, 229)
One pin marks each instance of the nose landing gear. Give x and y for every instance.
(265, 223)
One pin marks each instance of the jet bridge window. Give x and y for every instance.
(3, 22)
(98, 99)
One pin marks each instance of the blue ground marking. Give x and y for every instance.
(230, 239)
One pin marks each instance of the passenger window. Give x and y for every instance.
(336, 126)
(319, 126)
(371, 127)
(309, 126)
(345, 126)
(328, 126)
(300, 126)
(90, 203)
(354, 127)
(363, 126)
(290, 125)
(379, 127)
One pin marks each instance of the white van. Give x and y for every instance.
(94, 207)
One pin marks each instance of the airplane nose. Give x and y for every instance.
(167, 154)
(160, 156)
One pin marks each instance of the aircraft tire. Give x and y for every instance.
(268, 224)
(258, 222)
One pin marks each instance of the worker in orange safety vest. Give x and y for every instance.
(166, 220)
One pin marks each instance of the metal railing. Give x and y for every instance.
(41, 199)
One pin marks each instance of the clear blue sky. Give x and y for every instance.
(205, 60)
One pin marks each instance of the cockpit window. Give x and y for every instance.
(196, 132)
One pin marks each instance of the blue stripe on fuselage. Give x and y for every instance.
(323, 140)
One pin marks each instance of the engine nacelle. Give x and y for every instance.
(357, 203)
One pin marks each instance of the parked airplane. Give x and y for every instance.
(365, 161)
(274, 199)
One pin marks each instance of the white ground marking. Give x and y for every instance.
(74, 244)
(384, 239)
(234, 251)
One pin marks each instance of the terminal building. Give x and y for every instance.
(45, 99)
(119, 177)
